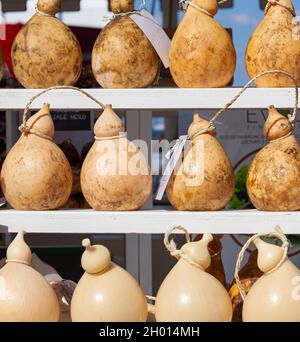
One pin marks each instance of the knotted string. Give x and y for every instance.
(24, 128)
(291, 116)
(125, 14)
(210, 127)
(114, 137)
(184, 4)
(274, 3)
(285, 246)
(172, 248)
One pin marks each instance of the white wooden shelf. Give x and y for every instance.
(151, 98)
(156, 221)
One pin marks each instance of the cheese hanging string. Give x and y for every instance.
(210, 127)
(285, 246)
(292, 116)
(125, 14)
(137, 12)
(177, 253)
(172, 248)
(184, 4)
(276, 3)
(43, 13)
(24, 128)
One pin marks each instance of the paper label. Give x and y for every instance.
(155, 33)
(173, 157)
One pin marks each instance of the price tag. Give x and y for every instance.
(155, 33)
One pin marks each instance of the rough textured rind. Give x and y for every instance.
(123, 57)
(202, 54)
(36, 175)
(49, 6)
(119, 192)
(274, 45)
(46, 53)
(273, 181)
(122, 6)
(217, 187)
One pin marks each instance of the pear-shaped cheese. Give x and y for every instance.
(115, 174)
(205, 179)
(45, 52)
(25, 296)
(123, 57)
(36, 175)
(275, 296)
(273, 181)
(106, 292)
(189, 294)
(275, 44)
(202, 54)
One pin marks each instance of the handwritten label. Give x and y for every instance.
(71, 121)
(155, 33)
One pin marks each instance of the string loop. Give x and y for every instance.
(285, 246)
(24, 128)
(292, 116)
(125, 14)
(172, 248)
(184, 4)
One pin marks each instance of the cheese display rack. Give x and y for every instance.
(139, 105)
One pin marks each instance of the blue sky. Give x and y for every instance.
(242, 18)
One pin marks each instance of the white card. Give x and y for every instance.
(173, 156)
(155, 33)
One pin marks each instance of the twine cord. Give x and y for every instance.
(275, 2)
(114, 137)
(291, 117)
(184, 4)
(281, 138)
(285, 246)
(18, 261)
(24, 128)
(125, 14)
(172, 248)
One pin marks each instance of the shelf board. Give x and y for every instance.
(150, 98)
(156, 221)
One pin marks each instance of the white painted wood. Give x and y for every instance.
(154, 98)
(156, 221)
